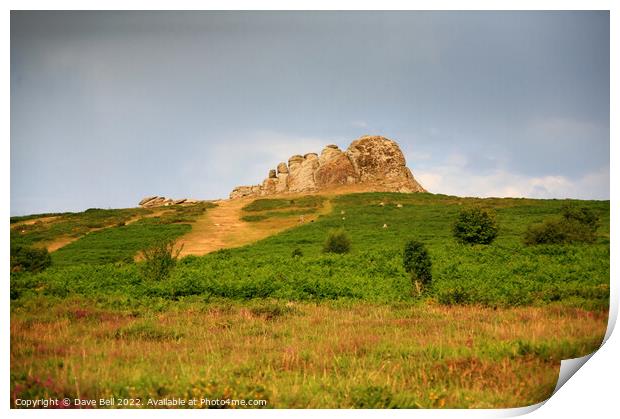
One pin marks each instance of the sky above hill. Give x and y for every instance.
(108, 107)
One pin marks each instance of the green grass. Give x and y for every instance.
(184, 213)
(122, 242)
(21, 218)
(309, 201)
(71, 225)
(318, 330)
(117, 243)
(277, 214)
(264, 209)
(505, 273)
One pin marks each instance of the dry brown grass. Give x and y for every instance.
(301, 354)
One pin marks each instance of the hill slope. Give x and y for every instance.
(316, 330)
(505, 273)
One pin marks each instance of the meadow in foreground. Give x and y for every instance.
(317, 355)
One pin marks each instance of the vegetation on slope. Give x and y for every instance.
(70, 224)
(263, 209)
(504, 273)
(281, 321)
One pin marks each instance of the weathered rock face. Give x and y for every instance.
(335, 168)
(301, 173)
(371, 160)
(282, 168)
(379, 160)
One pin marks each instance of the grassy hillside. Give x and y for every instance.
(44, 228)
(317, 330)
(505, 273)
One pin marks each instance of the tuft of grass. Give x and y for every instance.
(146, 330)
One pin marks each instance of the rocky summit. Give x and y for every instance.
(373, 161)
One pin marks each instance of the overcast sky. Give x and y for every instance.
(108, 107)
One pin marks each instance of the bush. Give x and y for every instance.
(417, 263)
(475, 226)
(582, 215)
(29, 259)
(576, 225)
(159, 260)
(338, 241)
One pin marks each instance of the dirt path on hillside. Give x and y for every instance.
(56, 244)
(221, 227)
(34, 221)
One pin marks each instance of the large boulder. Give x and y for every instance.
(269, 186)
(375, 162)
(241, 191)
(301, 173)
(147, 199)
(161, 201)
(282, 167)
(378, 160)
(282, 185)
(335, 168)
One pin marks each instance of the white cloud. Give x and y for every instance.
(246, 159)
(500, 183)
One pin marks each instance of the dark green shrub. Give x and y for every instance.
(159, 260)
(582, 215)
(417, 263)
(576, 225)
(29, 259)
(475, 226)
(338, 241)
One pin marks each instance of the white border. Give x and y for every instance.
(591, 393)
